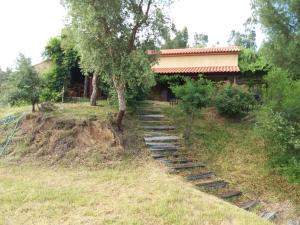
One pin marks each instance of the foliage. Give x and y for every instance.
(280, 20)
(253, 66)
(193, 95)
(282, 94)
(139, 84)
(246, 39)
(26, 84)
(5, 76)
(200, 40)
(63, 58)
(180, 40)
(234, 101)
(107, 33)
(282, 137)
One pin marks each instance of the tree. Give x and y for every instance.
(200, 40)
(27, 84)
(281, 22)
(246, 39)
(109, 35)
(180, 40)
(64, 58)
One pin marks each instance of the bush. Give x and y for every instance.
(282, 93)
(234, 101)
(282, 139)
(193, 95)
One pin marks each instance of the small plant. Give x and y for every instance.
(26, 85)
(234, 101)
(193, 95)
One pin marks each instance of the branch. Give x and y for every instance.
(139, 23)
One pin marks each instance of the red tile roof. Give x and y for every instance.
(197, 51)
(206, 69)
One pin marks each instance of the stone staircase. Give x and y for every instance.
(165, 147)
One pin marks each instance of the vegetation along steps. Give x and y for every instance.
(213, 185)
(164, 146)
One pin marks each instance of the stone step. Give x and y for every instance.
(189, 166)
(213, 185)
(156, 122)
(152, 116)
(155, 134)
(161, 138)
(248, 205)
(177, 161)
(230, 194)
(149, 112)
(161, 145)
(159, 127)
(153, 150)
(268, 215)
(200, 176)
(161, 156)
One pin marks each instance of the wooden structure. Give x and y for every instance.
(216, 64)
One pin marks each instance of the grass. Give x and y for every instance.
(131, 189)
(235, 151)
(126, 193)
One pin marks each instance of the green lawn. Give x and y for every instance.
(129, 189)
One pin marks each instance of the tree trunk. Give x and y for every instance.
(95, 90)
(33, 107)
(86, 86)
(120, 87)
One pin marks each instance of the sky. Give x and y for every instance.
(27, 25)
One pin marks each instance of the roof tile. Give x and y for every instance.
(206, 69)
(192, 51)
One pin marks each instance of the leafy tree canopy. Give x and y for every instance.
(26, 84)
(200, 40)
(180, 40)
(64, 58)
(247, 39)
(110, 34)
(281, 22)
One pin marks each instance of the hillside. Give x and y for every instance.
(52, 176)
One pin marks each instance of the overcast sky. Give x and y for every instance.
(26, 25)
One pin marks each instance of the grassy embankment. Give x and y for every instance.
(131, 189)
(236, 152)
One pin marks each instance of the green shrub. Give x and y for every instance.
(234, 101)
(282, 93)
(282, 138)
(193, 95)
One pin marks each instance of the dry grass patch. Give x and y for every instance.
(127, 193)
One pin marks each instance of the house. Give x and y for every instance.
(216, 64)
